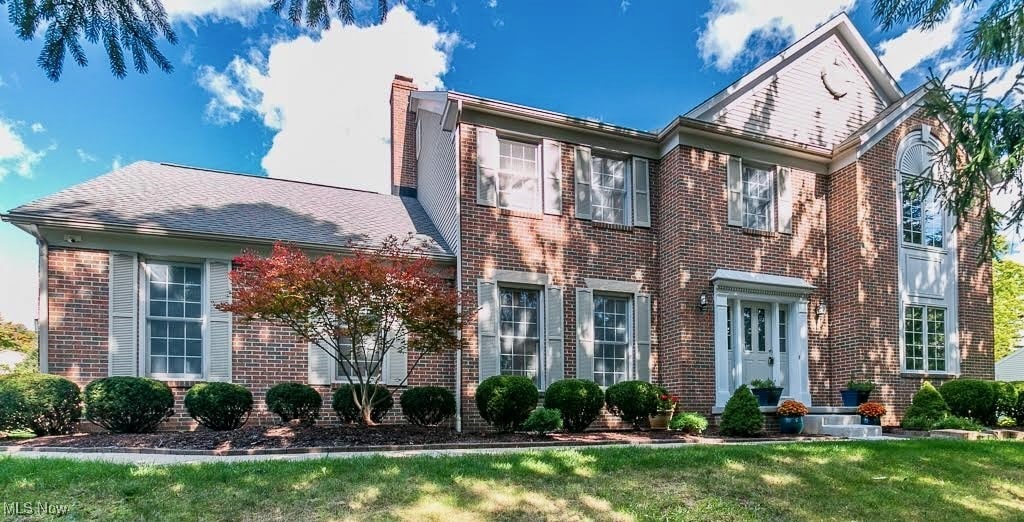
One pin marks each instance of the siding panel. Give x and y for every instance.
(437, 189)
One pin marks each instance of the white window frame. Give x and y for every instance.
(631, 347)
(541, 334)
(926, 200)
(627, 190)
(145, 318)
(770, 174)
(926, 334)
(338, 377)
(537, 204)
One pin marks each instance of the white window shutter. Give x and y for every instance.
(643, 337)
(584, 334)
(552, 177)
(555, 331)
(583, 183)
(735, 185)
(320, 364)
(487, 329)
(641, 192)
(122, 344)
(784, 184)
(487, 161)
(219, 330)
(397, 362)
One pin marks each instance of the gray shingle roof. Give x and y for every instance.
(189, 200)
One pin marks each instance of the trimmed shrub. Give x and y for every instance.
(742, 417)
(219, 406)
(295, 401)
(1006, 422)
(128, 404)
(953, 422)
(543, 420)
(428, 405)
(1017, 413)
(689, 423)
(633, 401)
(1007, 396)
(579, 400)
(345, 406)
(926, 408)
(505, 401)
(972, 398)
(44, 404)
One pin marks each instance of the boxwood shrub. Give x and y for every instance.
(345, 406)
(220, 406)
(1007, 396)
(128, 404)
(505, 401)
(579, 400)
(971, 398)
(295, 401)
(428, 405)
(1017, 412)
(633, 401)
(44, 404)
(926, 408)
(543, 420)
(742, 416)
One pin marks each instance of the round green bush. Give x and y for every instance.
(579, 400)
(428, 405)
(633, 401)
(220, 406)
(345, 406)
(128, 404)
(1007, 396)
(926, 408)
(42, 403)
(689, 422)
(742, 416)
(971, 398)
(295, 401)
(1017, 413)
(505, 401)
(953, 422)
(543, 420)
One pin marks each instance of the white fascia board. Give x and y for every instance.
(430, 101)
(851, 151)
(757, 280)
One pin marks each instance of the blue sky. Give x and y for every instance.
(252, 94)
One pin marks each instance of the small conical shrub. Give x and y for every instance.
(742, 416)
(926, 408)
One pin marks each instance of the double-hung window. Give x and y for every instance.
(610, 189)
(757, 198)
(174, 320)
(520, 332)
(922, 215)
(612, 352)
(518, 176)
(924, 338)
(366, 362)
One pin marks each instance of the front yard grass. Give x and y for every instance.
(907, 480)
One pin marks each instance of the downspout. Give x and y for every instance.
(457, 137)
(43, 303)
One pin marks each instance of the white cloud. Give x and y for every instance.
(242, 11)
(38, 127)
(915, 46)
(84, 156)
(15, 156)
(116, 163)
(732, 23)
(2, 81)
(960, 74)
(333, 122)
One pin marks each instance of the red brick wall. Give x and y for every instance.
(565, 248)
(77, 287)
(403, 138)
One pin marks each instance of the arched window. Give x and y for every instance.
(922, 219)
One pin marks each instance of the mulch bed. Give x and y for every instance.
(291, 437)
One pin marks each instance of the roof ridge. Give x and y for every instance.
(268, 178)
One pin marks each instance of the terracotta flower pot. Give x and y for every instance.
(660, 420)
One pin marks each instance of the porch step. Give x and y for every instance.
(814, 422)
(859, 431)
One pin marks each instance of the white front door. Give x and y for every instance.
(758, 346)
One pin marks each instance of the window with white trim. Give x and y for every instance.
(612, 343)
(366, 362)
(520, 332)
(924, 338)
(757, 198)
(922, 215)
(174, 320)
(518, 175)
(610, 204)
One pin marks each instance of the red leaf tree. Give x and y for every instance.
(357, 308)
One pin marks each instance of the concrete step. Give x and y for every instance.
(813, 423)
(858, 431)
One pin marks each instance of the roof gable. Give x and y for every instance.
(788, 98)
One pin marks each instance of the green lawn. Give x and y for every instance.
(922, 479)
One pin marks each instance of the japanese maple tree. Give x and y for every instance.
(357, 308)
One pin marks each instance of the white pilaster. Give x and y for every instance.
(722, 365)
(773, 344)
(737, 343)
(798, 357)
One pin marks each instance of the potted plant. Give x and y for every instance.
(791, 417)
(767, 393)
(871, 413)
(857, 392)
(666, 407)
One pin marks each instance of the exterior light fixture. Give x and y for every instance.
(702, 303)
(821, 308)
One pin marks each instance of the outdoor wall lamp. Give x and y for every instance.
(702, 303)
(821, 308)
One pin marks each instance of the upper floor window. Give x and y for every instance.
(757, 198)
(612, 343)
(520, 332)
(922, 213)
(609, 190)
(518, 175)
(760, 197)
(174, 320)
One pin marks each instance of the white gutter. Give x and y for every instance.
(43, 303)
(458, 273)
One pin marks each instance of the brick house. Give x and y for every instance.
(764, 234)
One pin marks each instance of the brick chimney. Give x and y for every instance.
(403, 138)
